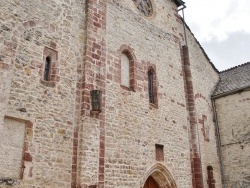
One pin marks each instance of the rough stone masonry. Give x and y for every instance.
(51, 138)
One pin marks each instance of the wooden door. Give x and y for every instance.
(151, 183)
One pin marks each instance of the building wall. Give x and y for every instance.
(27, 27)
(204, 81)
(69, 144)
(233, 119)
(133, 126)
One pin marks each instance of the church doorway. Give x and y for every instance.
(158, 176)
(151, 183)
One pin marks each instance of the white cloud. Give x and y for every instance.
(216, 19)
(223, 29)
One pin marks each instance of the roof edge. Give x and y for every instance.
(237, 66)
(202, 49)
(216, 96)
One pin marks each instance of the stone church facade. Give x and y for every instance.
(105, 93)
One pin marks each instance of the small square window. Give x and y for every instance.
(159, 153)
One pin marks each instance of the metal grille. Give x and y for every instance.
(151, 86)
(144, 6)
(47, 69)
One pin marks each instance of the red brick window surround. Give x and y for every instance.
(152, 86)
(159, 152)
(127, 67)
(49, 72)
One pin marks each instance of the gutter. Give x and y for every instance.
(230, 92)
(219, 142)
(179, 3)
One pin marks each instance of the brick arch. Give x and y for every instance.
(50, 48)
(24, 26)
(200, 96)
(204, 115)
(12, 42)
(151, 68)
(128, 51)
(161, 175)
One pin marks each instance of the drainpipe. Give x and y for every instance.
(219, 141)
(184, 27)
(183, 17)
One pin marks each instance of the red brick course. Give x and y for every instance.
(95, 72)
(195, 154)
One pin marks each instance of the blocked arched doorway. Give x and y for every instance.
(158, 176)
(151, 183)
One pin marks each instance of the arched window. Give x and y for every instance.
(151, 86)
(47, 68)
(210, 177)
(125, 70)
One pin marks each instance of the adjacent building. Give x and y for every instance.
(232, 102)
(111, 93)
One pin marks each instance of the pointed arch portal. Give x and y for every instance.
(151, 183)
(158, 176)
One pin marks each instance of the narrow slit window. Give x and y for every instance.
(210, 177)
(151, 86)
(47, 69)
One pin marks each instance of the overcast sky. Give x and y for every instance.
(223, 29)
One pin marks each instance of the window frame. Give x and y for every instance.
(52, 77)
(128, 51)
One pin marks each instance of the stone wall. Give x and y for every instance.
(27, 27)
(234, 125)
(71, 145)
(6, 73)
(133, 126)
(205, 78)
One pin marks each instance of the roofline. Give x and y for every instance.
(202, 49)
(237, 66)
(230, 92)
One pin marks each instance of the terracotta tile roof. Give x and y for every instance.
(233, 79)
